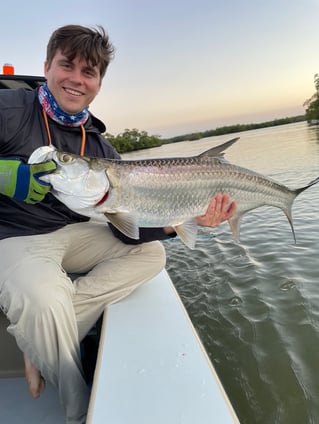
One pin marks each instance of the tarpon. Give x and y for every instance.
(168, 192)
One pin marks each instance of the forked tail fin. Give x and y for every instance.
(288, 210)
(288, 214)
(234, 221)
(300, 190)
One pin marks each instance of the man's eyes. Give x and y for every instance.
(90, 72)
(65, 65)
(86, 71)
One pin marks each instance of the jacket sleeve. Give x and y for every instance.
(146, 235)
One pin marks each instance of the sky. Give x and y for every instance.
(182, 66)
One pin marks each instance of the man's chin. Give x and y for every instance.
(72, 110)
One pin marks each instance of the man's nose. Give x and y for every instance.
(76, 76)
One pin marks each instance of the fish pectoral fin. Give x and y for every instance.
(125, 222)
(187, 232)
(234, 223)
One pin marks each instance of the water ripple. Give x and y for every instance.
(255, 303)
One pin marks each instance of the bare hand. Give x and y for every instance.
(220, 209)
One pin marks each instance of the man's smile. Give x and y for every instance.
(72, 92)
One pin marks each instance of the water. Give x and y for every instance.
(255, 303)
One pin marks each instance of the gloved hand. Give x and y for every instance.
(21, 181)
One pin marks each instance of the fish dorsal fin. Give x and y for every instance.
(218, 150)
(125, 222)
(187, 232)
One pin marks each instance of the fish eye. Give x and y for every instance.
(65, 158)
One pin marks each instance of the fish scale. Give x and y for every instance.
(161, 192)
(188, 186)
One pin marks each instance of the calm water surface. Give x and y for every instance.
(255, 303)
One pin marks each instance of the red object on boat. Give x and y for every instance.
(8, 69)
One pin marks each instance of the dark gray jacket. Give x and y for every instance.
(22, 130)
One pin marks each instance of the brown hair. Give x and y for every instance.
(91, 44)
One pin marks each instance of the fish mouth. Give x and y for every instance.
(102, 200)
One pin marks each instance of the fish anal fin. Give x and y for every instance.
(125, 222)
(187, 231)
(234, 223)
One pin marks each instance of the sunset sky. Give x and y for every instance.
(182, 66)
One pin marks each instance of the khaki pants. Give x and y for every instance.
(49, 315)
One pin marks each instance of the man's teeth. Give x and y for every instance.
(75, 93)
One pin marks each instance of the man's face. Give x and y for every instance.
(73, 84)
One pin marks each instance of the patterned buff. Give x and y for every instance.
(53, 110)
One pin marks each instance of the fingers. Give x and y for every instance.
(231, 210)
(220, 209)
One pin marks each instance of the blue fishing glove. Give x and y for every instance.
(21, 181)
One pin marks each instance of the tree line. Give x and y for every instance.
(130, 140)
(312, 104)
(133, 139)
(229, 129)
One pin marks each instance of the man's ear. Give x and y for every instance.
(45, 68)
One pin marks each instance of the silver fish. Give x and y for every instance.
(161, 192)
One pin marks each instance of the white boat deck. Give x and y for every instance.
(152, 369)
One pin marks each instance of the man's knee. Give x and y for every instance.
(155, 252)
(43, 298)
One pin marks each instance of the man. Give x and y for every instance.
(42, 240)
